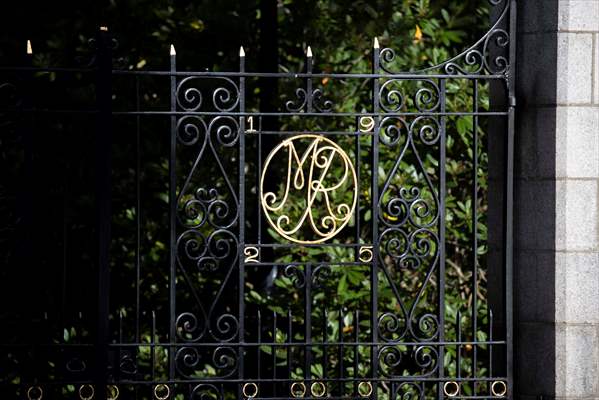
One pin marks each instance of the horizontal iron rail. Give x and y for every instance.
(293, 75)
(266, 114)
(278, 380)
(273, 344)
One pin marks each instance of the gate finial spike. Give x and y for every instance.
(173, 52)
(241, 51)
(29, 49)
(376, 43)
(309, 52)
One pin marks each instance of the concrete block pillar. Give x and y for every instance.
(556, 209)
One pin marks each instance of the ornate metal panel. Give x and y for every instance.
(314, 249)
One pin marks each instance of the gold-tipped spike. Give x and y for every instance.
(376, 43)
(173, 52)
(241, 52)
(104, 28)
(309, 52)
(29, 49)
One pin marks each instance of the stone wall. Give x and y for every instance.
(556, 209)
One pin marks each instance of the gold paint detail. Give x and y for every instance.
(317, 159)
(451, 388)
(112, 392)
(318, 389)
(364, 389)
(365, 254)
(246, 388)
(35, 393)
(162, 391)
(501, 392)
(298, 389)
(251, 122)
(366, 124)
(251, 254)
(86, 392)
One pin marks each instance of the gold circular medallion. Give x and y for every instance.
(314, 197)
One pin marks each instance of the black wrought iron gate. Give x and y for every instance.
(314, 250)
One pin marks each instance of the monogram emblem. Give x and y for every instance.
(319, 192)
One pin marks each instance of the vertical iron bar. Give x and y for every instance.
(120, 349)
(172, 202)
(356, 349)
(137, 210)
(324, 344)
(357, 210)
(259, 205)
(308, 320)
(153, 347)
(475, 234)
(442, 160)
(289, 340)
(490, 314)
(309, 80)
(259, 337)
(241, 208)
(274, 351)
(509, 201)
(103, 198)
(341, 353)
(375, 217)
(458, 325)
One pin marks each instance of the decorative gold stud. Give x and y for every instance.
(162, 391)
(250, 390)
(451, 388)
(35, 393)
(318, 389)
(498, 388)
(298, 389)
(364, 389)
(112, 392)
(86, 392)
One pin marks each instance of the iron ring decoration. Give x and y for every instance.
(112, 392)
(162, 387)
(34, 389)
(368, 387)
(498, 393)
(455, 388)
(245, 387)
(318, 389)
(318, 157)
(89, 388)
(298, 393)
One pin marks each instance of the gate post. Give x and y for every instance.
(103, 199)
(556, 208)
